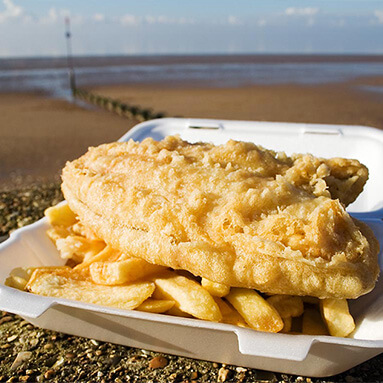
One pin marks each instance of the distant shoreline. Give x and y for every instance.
(50, 75)
(13, 63)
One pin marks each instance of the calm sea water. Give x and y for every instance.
(50, 75)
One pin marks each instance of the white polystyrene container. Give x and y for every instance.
(296, 354)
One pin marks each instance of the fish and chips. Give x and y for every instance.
(233, 233)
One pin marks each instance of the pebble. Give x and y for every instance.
(70, 355)
(21, 358)
(240, 369)
(6, 345)
(215, 365)
(222, 374)
(5, 319)
(48, 346)
(98, 352)
(158, 362)
(59, 362)
(49, 374)
(194, 375)
(94, 342)
(11, 338)
(34, 342)
(114, 360)
(23, 323)
(134, 359)
(49, 362)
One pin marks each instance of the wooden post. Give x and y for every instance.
(72, 80)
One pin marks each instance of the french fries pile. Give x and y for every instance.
(96, 273)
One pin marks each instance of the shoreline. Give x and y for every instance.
(12, 63)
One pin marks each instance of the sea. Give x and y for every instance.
(50, 74)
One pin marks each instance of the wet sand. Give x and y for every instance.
(39, 134)
(342, 103)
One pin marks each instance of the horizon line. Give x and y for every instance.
(197, 54)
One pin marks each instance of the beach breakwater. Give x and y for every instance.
(116, 106)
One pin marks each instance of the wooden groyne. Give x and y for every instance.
(116, 106)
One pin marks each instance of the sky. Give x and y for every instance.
(36, 27)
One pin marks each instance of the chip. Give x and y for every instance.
(60, 215)
(189, 296)
(66, 283)
(255, 310)
(214, 288)
(117, 273)
(337, 317)
(155, 306)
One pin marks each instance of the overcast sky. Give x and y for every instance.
(36, 27)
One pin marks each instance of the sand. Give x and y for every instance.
(39, 134)
(341, 103)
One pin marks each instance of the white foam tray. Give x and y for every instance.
(315, 356)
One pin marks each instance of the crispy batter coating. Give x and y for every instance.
(236, 214)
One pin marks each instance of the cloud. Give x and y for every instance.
(54, 16)
(98, 17)
(378, 13)
(50, 18)
(129, 20)
(233, 20)
(308, 11)
(339, 22)
(261, 22)
(11, 11)
(132, 20)
(167, 20)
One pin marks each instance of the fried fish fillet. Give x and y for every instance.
(236, 214)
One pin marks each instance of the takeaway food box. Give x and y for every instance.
(289, 353)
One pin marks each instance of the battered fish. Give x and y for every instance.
(236, 214)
